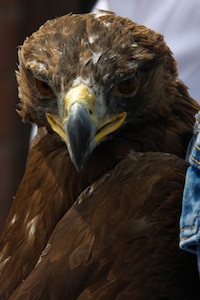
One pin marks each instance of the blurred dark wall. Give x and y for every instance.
(18, 19)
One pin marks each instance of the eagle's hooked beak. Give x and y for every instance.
(80, 126)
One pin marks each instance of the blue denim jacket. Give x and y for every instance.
(190, 216)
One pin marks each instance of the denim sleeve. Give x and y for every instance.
(190, 216)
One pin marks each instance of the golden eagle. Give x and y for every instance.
(96, 215)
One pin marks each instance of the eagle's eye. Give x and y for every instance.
(44, 89)
(126, 87)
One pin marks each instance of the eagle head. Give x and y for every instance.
(99, 77)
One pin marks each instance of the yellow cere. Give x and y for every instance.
(79, 93)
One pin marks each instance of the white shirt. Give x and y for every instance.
(178, 21)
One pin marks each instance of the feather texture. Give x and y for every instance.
(120, 239)
(107, 92)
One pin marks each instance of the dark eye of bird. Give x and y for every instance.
(44, 89)
(128, 86)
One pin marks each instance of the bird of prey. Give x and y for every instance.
(96, 215)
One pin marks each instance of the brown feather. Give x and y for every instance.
(119, 238)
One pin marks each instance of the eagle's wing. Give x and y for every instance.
(120, 239)
(43, 197)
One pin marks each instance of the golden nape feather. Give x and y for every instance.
(96, 215)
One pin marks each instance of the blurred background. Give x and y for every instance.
(18, 19)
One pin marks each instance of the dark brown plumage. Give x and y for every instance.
(105, 87)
